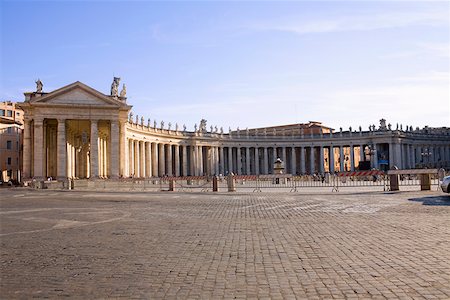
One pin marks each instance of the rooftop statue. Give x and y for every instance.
(39, 86)
(123, 92)
(202, 127)
(115, 87)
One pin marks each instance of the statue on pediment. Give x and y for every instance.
(115, 87)
(383, 124)
(202, 127)
(39, 86)
(123, 92)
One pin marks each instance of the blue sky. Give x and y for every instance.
(240, 64)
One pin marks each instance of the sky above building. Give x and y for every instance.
(240, 64)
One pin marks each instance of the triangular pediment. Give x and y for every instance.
(78, 93)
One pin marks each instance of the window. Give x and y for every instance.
(9, 113)
(2, 112)
(9, 130)
(9, 161)
(8, 145)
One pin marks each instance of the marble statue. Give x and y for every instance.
(162, 125)
(184, 127)
(176, 126)
(142, 121)
(123, 92)
(169, 125)
(39, 86)
(115, 86)
(195, 127)
(148, 122)
(137, 119)
(383, 124)
(154, 123)
(131, 117)
(221, 130)
(202, 127)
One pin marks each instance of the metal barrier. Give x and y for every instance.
(190, 183)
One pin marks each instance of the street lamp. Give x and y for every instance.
(426, 153)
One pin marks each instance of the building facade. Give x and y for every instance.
(11, 127)
(79, 132)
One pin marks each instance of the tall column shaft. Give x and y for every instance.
(114, 155)
(221, 161)
(302, 160)
(185, 161)
(239, 161)
(169, 170)
(38, 149)
(61, 150)
(352, 158)
(257, 169)
(321, 160)
(26, 166)
(266, 161)
(341, 159)
(200, 160)
(312, 160)
(230, 159)
(331, 159)
(177, 160)
(154, 159)
(148, 159)
(123, 151)
(162, 160)
(94, 150)
(247, 160)
(293, 161)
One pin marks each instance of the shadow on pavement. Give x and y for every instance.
(443, 200)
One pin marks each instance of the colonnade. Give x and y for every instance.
(68, 148)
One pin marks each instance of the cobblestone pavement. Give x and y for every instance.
(192, 245)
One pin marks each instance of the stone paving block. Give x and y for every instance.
(228, 246)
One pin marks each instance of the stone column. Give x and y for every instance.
(283, 157)
(62, 152)
(247, 160)
(177, 160)
(352, 158)
(361, 153)
(169, 170)
(397, 155)
(221, 161)
(137, 159)
(38, 149)
(162, 160)
(26, 167)
(185, 161)
(302, 160)
(312, 159)
(412, 156)
(265, 161)
(123, 158)
(94, 150)
(239, 161)
(193, 160)
(331, 159)
(114, 150)
(200, 160)
(230, 159)
(321, 160)
(143, 160)
(155, 170)
(216, 161)
(341, 159)
(257, 172)
(148, 159)
(375, 156)
(293, 161)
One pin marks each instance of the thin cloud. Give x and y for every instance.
(356, 23)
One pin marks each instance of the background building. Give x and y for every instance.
(11, 127)
(79, 132)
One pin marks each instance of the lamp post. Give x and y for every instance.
(426, 156)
